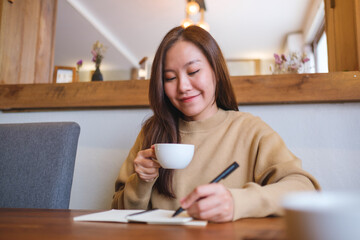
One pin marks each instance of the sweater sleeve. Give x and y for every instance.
(130, 191)
(276, 172)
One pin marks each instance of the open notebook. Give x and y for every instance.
(157, 216)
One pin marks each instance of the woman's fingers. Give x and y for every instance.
(145, 167)
(198, 193)
(146, 173)
(147, 153)
(212, 208)
(211, 202)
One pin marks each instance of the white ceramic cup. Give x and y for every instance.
(323, 215)
(174, 155)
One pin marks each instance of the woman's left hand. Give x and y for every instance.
(212, 202)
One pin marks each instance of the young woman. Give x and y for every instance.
(193, 102)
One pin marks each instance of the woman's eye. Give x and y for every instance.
(169, 78)
(192, 73)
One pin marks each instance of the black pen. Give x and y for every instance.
(222, 175)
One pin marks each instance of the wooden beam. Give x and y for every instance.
(357, 25)
(297, 88)
(342, 30)
(74, 95)
(27, 37)
(265, 89)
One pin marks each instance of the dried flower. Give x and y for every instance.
(292, 63)
(79, 64)
(98, 52)
(277, 59)
(305, 60)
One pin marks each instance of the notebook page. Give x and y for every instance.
(160, 216)
(107, 216)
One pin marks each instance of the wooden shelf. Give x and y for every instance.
(261, 89)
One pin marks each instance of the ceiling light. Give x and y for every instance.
(202, 22)
(192, 7)
(187, 22)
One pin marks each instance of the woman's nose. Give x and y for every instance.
(184, 83)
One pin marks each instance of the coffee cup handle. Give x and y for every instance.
(155, 160)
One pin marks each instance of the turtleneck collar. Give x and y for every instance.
(203, 125)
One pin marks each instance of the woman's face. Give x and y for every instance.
(189, 81)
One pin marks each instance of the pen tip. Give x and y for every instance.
(177, 212)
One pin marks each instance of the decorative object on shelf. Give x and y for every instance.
(97, 75)
(64, 74)
(98, 52)
(78, 66)
(142, 73)
(294, 62)
(193, 7)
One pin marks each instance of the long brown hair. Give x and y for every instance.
(162, 127)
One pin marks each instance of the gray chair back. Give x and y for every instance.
(37, 164)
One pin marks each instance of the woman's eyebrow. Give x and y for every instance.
(185, 65)
(192, 62)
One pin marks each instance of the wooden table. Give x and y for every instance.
(58, 224)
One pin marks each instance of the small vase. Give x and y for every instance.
(97, 76)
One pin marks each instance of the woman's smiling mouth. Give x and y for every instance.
(188, 98)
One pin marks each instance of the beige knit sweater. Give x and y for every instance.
(267, 171)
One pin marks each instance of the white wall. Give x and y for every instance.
(325, 136)
(241, 68)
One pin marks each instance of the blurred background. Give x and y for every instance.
(248, 32)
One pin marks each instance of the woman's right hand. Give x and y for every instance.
(146, 168)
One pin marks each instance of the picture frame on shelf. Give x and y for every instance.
(241, 67)
(64, 74)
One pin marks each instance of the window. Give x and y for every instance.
(320, 50)
(321, 54)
